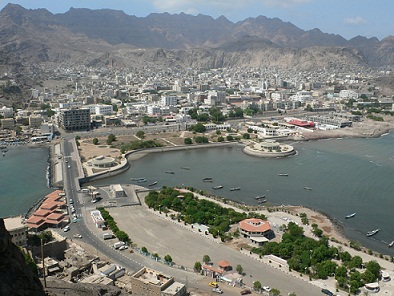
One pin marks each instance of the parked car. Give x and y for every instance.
(246, 292)
(214, 284)
(67, 228)
(217, 290)
(327, 292)
(124, 247)
(77, 235)
(266, 288)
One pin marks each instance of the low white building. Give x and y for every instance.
(97, 218)
(17, 228)
(116, 190)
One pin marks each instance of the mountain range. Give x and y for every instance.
(113, 38)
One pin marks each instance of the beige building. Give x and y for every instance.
(149, 282)
(35, 121)
(17, 227)
(8, 123)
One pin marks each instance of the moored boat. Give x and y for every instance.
(370, 233)
(259, 197)
(391, 244)
(283, 174)
(185, 168)
(170, 172)
(262, 201)
(235, 188)
(307, 188)
(217, 187)
(153, 184)
(141, 180)
(207, 179)
(350, 215)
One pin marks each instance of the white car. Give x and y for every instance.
(217, 290)
(124, 247)
(266, 288)
(77, 235)
(67, 228)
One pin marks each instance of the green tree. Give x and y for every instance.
(220, 139)
(197, 266)
(167, 258)
(188, 141)
(111, 138)
(256, 285)
(140, 134)
(144, 250)
(199, 128)
(246, 136)
(229, 138)
(239, 269)
(274, 292)
(206, 259)
(122, 236)
(95, 141)
(200, 139)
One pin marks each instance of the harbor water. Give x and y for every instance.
(23, 179)
(344, 175)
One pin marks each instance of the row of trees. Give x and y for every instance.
(191, 210)
(315, 257)
(110, 222)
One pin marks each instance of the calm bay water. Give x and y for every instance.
(22, 179)
(346, 176)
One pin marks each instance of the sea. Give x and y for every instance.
(345, 176)
(23, 179)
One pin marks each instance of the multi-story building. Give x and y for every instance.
(17, 229)
(35, 121)
(169, 100)
(74, 119)
(7, 112)
(7, 123)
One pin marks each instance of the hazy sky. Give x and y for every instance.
(348, 18)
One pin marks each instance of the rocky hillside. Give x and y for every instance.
(16, 277)
(113, 38)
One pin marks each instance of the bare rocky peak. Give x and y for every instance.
(91, 36)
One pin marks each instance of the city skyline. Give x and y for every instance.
(348, 19)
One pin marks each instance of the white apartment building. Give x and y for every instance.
(7, 112)
(169, 100)
(153, 110)
(348, 94)
(68, 105)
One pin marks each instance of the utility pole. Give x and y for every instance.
(43, 264)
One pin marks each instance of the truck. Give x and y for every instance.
(117, 245)
(107, 235)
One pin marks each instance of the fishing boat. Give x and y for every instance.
(185, 168)
(391, 244)
(141, 180)
(153, 184)
(217, 187)
(207, 179)
(170, 172)
(370, 233)
(235, 188)
(262, 201)
(350, 215)
(307, 188)
(137, 179)
(259, 197)
(283, 174)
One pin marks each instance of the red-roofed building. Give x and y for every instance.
(257, 230)
(211, 271)
(35, 223)
(224, 265)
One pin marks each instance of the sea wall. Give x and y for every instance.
(252, 152)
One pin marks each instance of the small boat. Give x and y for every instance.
(217, 187)
(137, 179)
(170, 172)
(262, 201)
(391, 244)
(207, 179)
(259, 197)
(370, 233)
(235, 188)
(185, 168)
(307, 188)
(141, 180)
(153, 184)
(283, 174)
(350, 215)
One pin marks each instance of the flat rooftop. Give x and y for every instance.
(14, 223)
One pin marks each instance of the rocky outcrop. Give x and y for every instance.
(16, 277)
